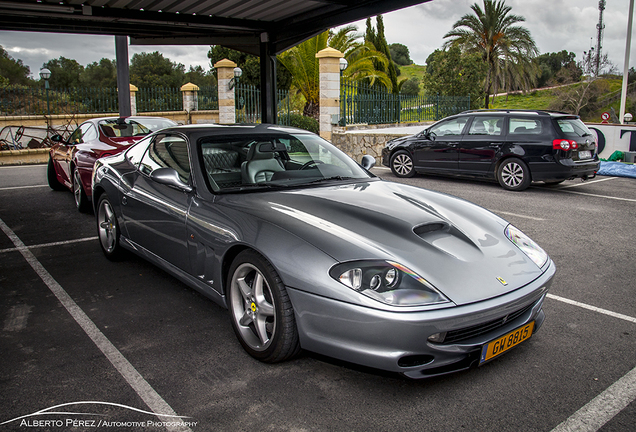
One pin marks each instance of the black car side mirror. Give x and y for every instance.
(169, 177)
(57, 138)
(367, 162)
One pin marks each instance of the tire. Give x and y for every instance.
(52, 177)
(402, 164)
(108, 230)
(261, 312)
(82, 202)
(513, 174)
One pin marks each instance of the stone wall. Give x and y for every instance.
(357, 145)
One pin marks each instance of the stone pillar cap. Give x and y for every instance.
(225, 63)
(329, 52)
(189, 87)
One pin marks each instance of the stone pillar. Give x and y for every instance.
(133, 99)
(190, 97)
(225, 72)
(329, 63)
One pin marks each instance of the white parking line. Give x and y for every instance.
(22, 187)
(51, 244)
(593, 308)
(600, 410)
(596, 413)
(588, 182)
(598, 196)
(154, 401)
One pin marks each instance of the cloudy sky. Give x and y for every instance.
(555, 25)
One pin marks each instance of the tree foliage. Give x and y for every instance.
(377, 39)
(13, 72)
(251, 66)
(154, 70)
(503, 46)
(102, 74)
(557, 68)
(451, 73)
(65, 73)
(400, 54)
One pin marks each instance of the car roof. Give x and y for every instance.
(543, 113)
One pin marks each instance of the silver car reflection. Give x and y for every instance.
(309, 250)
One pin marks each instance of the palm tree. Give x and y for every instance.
(303, 65)
(492, 33)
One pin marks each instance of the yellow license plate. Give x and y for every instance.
(499, 346)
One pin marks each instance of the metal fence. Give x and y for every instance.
(156, 99)
(39, 101)
(248, 105)
(361, 103)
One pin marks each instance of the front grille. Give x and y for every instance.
(457, 336)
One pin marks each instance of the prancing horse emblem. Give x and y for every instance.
(503, 282)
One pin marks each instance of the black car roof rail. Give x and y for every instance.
(507, 110)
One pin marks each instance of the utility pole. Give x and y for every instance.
(599, 36)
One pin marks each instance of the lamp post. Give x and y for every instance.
(45, 74)
(237, 74)
(343, 65)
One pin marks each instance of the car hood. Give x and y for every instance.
(457, 246)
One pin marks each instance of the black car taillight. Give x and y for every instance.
(564, 144)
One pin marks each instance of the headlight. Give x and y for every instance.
(527, 245)
(388, 282)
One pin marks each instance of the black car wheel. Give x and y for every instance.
(514, 175)
(262, 314)
(52, 178)
(402, 164)
(81, 200)
(108, 230)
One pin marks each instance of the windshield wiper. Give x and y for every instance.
(330, 178)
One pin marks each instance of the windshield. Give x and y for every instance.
(131, 127)
(573, 126)
(234, 163)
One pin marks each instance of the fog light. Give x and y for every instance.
(437, 337)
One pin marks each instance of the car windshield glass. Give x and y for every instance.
(573, 126)
(242, 162)
(132, 127)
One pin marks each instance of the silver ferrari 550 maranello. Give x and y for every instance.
(309, 250)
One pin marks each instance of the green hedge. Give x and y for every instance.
(302, 122)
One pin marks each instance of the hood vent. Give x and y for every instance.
(449, 240)
(423, 230)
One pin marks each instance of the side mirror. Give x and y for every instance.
(368, 162)
(57, 138)
(169, 177)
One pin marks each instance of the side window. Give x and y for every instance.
(167, 151)
(136, 152)
(89, 132)
(486, 125)
(76, 136)
(519, 126)
(450, 127)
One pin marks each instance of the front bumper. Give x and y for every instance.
(398, 341)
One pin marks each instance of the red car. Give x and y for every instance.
(71, 162)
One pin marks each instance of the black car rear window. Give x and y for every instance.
(573, 126)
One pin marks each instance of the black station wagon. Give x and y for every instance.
(513, 147)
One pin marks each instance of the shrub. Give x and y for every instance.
(302, 122)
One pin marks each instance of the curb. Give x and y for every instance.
(24, 157)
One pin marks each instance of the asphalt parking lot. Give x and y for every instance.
(77, 328)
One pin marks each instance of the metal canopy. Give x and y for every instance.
(260, 27)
